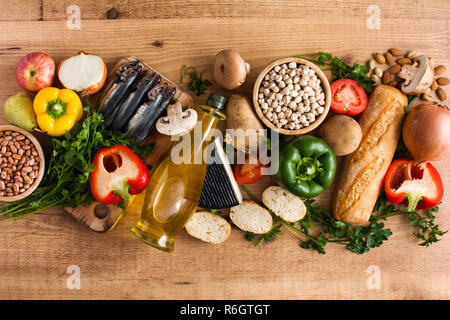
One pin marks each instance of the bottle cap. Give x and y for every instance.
(217, 101)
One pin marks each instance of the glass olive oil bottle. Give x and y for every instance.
(174, 190)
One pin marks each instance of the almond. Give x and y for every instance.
(439, 70)
(434, 85)
(380, 58)
(372, 64)
(443, 81)
(390, 58)
(386, 77)
(395, 69)
(403, 61)
(396, 52)
(441, 94)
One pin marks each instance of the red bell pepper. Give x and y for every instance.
(118, 174)
(418, 186)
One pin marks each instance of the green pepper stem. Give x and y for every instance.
(308, 168)
(413, 200)
(121, 189)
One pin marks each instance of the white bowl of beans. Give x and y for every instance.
(292, 96)
(22, 163)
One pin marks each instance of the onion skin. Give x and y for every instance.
(426, 132)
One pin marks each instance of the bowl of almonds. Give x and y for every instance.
(292, 96)
(22, 163)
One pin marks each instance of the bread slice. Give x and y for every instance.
(250, 216)
(208, 227)
(284, 204)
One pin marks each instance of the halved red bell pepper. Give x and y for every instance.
(418, 186)
(118, 174)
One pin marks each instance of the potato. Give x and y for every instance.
(240, 115)
(342, 133)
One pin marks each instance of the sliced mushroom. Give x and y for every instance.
(97, 216)
(229, 69)
(418, 76)
(177, 122)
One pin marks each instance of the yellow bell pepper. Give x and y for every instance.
(57, 110)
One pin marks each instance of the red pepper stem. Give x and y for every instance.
(413, 200)
(121, 189)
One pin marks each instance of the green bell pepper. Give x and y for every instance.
(307, 166)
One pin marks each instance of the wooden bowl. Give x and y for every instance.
(41, 155)
(325, 87)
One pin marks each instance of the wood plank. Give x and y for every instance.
(37, 250)
(38, 10)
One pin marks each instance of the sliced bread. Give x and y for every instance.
(250, 216)
(284, 204)
(208, 227)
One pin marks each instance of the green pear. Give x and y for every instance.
(19, 111)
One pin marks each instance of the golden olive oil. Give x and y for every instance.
(174, 190)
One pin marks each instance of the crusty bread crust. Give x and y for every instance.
(362, 173)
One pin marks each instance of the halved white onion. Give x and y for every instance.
(83, 73)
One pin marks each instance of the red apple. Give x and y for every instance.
(35, 71)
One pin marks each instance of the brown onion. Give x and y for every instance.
(426, 132)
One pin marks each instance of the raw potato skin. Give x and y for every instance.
(342, 134)
(362, 173)
(241, 115)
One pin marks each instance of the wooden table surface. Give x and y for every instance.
(37, 252)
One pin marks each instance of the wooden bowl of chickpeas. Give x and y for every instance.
(292, 96)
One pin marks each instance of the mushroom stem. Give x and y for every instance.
(177, 122)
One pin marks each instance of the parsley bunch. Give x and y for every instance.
(66, 180)
(340, 69)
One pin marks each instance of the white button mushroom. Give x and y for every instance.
(177, 122)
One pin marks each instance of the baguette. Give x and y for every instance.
(208, 227)
(362, 174)
(284, 204)
(251, 217)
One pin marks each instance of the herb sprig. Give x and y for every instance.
(340, 69)
(197, 84)
(66, 180)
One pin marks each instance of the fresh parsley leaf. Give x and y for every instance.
(197, 84)
(340, 69)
